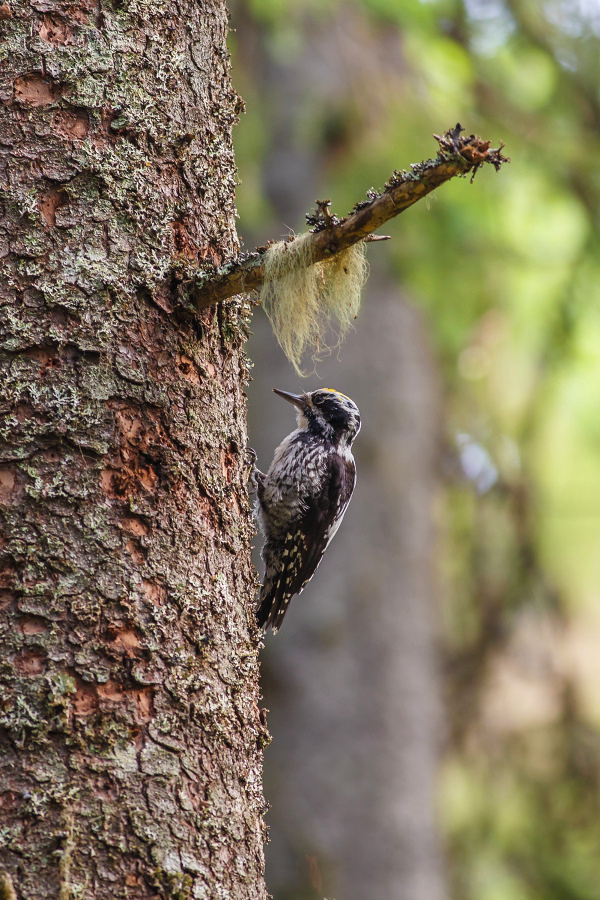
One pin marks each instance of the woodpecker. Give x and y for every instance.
(304, 495)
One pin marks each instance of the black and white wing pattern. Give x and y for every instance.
(305, 542)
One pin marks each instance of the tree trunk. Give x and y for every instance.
(130, 737)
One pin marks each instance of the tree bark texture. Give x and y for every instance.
(130, 736)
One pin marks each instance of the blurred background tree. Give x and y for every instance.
(475, 363)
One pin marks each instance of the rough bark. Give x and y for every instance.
(130, 737)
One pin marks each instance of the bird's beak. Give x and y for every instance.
(298, 400)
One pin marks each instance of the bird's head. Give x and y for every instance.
(326, 412)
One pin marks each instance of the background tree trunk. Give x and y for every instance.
(352, 680)
(130, 738)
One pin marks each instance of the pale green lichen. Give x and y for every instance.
(304, 299)
(7, 890)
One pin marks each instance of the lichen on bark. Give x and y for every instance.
(130, 737)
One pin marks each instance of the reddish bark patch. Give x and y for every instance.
(6, 599)
(135, 551)
(10, 800)
(83, 10)
(30, 663)
(137, 429)
(188, 369)
(74, 124)
(23, 412)
(163, 298)
(54, 30)
(116, 482)
(184, 245)
(53, 456)
(135, 526)
(45, 354)
(211, 253)
(11, 490)
(235, 506)
(206, 510)
(88, 699)
(7, 573)
(35, 90)
(157, 433)
(84, 699)
(125, 639)
(49, 202)
(110, 691)
(130, 425)
(32, 625)
(228, 463)
(107, 482)
(126, 482)
(5, 11)
(8, 480)
(147, 477)
(140, 436)
(144, 702)
(41, 354)
(107, 134)
(156, 593)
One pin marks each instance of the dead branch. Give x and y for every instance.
(456, 156)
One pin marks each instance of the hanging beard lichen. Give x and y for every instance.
(303, 299)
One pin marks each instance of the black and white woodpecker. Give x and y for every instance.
(304, 495)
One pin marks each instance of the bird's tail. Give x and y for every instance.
(272, 606)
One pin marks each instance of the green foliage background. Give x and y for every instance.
(508, 271)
